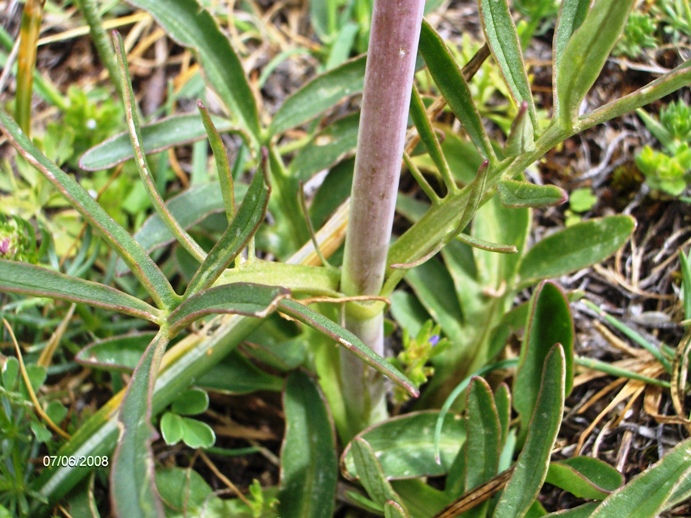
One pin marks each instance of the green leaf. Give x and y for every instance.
(571, 16)
(37, 281)
(249, 217)
(188, 208)
(237, 375)
(191, 402)
(318, 95)
(115, 236)
(348, 340)
(582, 511)
(686, 282)
(584, 477)
(531, 466)
(171, 428)
(586, 53)
(192, 26)
(172, 131)
(196, 434)
(404, 446)
(576, 247)
(240, 298)
(132, 479)
(309, 467)
(330, 145)
(482, 446)
(513, 193)
(183, 488)
(646, 495)
(420, 499)
(521, 138)
(371, 475)
(449, 79)
(503, 41)
(118, 353)
(394, 510)
(549, 323)
(10, 372)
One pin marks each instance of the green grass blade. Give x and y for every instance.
(37, 281)
(250, 215)
(449, 79)
(531, 466)
(503, 41)
(133, 489)
(192, 26)
(586, 53)
(117, 237)
(172, 131)
(646, 495)
(319, 94)
(347, 339)
(309, 467)
(253, 300)
(686, 283)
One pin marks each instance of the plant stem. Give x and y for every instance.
(386, 98)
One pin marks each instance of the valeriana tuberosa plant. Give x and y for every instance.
(389, 74)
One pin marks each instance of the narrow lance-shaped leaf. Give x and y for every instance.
(429, 138)
(371, 474)
(532, 463)
(586, 53)
(571, 15)
(117, 237)
(192, 26)
(309, 467)
(584, 477)
(522, 136)
(37, 281)
(549, 322)
(347, 339)
(448, 77)
(133, 490)
(576, 247)
(246, 222)
(254, 300)
(140, 159)
(484, 432)
(225, 175)
(319, 94)
(514, 194)
(646, 495)
(506, 48)
(175, 130)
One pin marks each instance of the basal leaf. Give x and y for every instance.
(347, 339)
(319, 94)
(371, 475)
(247, 220)
(584, 477)
(254, 300)
(549, 323)
(117, 237)
(586, 53)
(482, 446)
(582, 511)
(133, 490)
(119, 353)
(157, 136)
(238, 375)
(571, 16)
(404, 446)
(447, 75)
(192, 26)
(37, 281)
(330, 145)
(394, 510)
(309, 467)
(646, 495)
(575, 247)
(514, 193)
(502, 39)
(531, 466)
